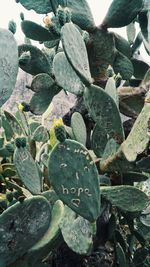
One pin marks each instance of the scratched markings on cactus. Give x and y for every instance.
(74, 177)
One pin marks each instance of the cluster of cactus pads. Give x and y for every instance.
(80, 185)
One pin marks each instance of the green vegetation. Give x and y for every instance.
(76, 193)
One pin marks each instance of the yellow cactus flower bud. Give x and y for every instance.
(57, 122)
(20, 107)
(47, 20)
(147, 99)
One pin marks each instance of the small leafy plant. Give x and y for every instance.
(76, 193)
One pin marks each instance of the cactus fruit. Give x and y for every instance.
(80, 13)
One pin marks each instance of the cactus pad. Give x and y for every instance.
(101, 52)
(123, 66)
(42, 99)
(119, 16)
(40, 134)
(51, 236)
(8, 64)
(38, 62)
(78, 128)
(77, 232)
(140, 68)
(27, 170)
(74, 177)
(81, 14)
(138, 138)
(99, 139)
(19, 224)
(111, 89)
(36, 32)
(75, 51)
(104, 111)
(62, 68)
(122, 45)
(41, 82)
(14, 123)
(39, 6)
(127, 197)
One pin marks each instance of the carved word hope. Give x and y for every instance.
(78, 191)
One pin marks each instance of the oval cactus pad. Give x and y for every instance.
(75, 50)
(21, 226)
(74, 177)
(8, 64)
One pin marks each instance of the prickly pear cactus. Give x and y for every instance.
(62, 68)
(8, 64)
(37, 63)
(77, 232)
(39, 6)
(75, 50)
(138, 135)
(79, 128)
(19, 224)
(104, 112)
(51, 237)
(91, 149)
(14, 123)
(36, 32)
(74, 177)
(119, 16)
(127, 197)
(27, 168)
